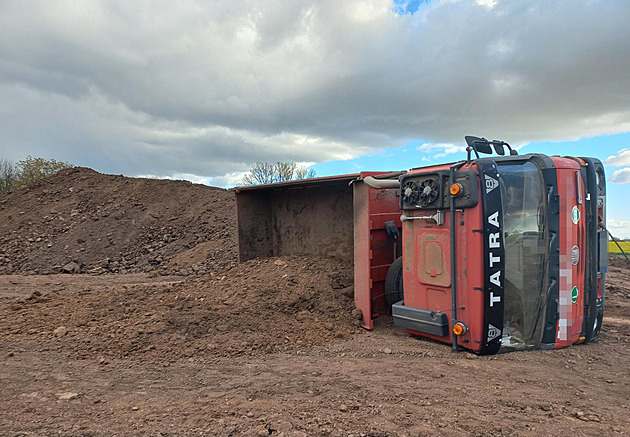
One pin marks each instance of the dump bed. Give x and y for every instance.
(337, 216)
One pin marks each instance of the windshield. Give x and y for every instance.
(526, 250)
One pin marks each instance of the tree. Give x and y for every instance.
(284, 171)
(303, 172)
(8, 176)
(260, 173)
(26, 172)
(267, 173)
(32, 169)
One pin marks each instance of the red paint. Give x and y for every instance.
(373, 248)
(433, 292)
(571, 189)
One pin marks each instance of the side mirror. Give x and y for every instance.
(481, 145)
(476, 144)
(470, 140)
(499, 149)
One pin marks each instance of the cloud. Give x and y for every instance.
(229, 180)
(619, 228)
(487, 3)
(621, 176)
(621, 158)
(440, 150)
(208, 88)
(179, 177)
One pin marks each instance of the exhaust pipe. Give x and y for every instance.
(381, 183)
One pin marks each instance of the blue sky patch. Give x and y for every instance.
(421, 153)
(407, 7)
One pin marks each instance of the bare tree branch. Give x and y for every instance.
(8, 176)
(267, 173)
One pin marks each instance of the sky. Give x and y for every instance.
(200, 90)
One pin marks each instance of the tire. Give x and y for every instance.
(394, 283)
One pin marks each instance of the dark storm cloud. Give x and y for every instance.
(207, 88)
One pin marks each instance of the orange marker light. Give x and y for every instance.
(459, 328)
(456, 189)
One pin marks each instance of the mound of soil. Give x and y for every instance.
(81, 221)
(617, 288)
(265, 306)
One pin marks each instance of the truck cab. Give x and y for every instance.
(502, 253)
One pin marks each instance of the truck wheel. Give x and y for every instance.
(394, 283)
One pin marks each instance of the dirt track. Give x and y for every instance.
(380, 383)
(267, 347)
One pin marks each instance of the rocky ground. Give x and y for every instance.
(168, 335)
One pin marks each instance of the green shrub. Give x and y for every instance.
(26, 172)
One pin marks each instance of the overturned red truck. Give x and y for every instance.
(491, 254)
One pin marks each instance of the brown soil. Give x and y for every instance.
(266, 347)
(81, 221)
(257, 307)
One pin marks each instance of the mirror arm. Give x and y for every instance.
(503, 143)
(470, 149)
(512, 151)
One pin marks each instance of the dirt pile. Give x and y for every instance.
(81, 221)
(617, 288)
(265, 306)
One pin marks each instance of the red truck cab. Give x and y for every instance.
(502, 253)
